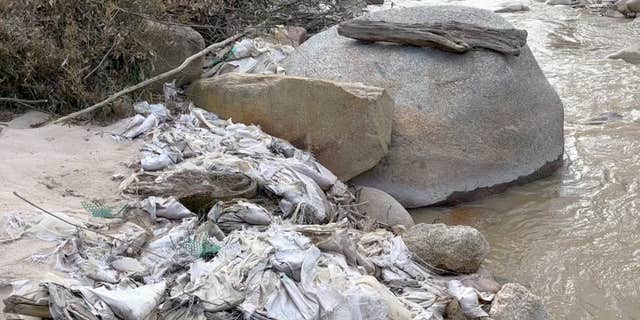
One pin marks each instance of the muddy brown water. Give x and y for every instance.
(573, 238)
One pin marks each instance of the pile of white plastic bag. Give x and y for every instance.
(294, 247)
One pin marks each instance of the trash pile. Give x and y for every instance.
(249, 56)
(227, 222)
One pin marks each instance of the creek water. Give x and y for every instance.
(573, 238)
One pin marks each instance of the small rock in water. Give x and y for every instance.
(611, 13)
(514, 301)
(562, 2)
(630, 54)
(453, 248)
(628, 7)
(512, 6)
(604, 118)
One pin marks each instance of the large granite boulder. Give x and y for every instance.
(347, 126)
(454, 248)
(463, 124)
(515, 302)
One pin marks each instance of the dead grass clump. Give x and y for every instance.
(72, 53)
(76, 53)
(220, 19)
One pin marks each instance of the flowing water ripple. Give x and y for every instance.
(573, 238)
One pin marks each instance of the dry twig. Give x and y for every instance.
(23, 101)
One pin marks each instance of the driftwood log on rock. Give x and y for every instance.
(450, 36)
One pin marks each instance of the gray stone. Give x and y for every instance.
(453, 311)
(629, 55)
(562, 2)
(462, 122)
(454, 248)
(171, 45)
(628, 6)
(382, 207)
(512, 6)
(30, 119)
(515, 302)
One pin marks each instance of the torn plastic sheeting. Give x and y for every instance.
(467, 298)
(253, 56)
(168, 208)
(299, 297)
(218, 283)
(295, 261)
(64, 305)
(52, 229)
(127, 265)
(149, 123)
(166, 248)
(291, 303)
(28, 298)
(155, 162)
(314, 170)
(157, 109)
(345, 244)
(303, 200)
(176, 235)
(129, 302)
(12, 227)
(98, 270)
(396, 310)
(133, 123)
(237, 214)
(243, 49)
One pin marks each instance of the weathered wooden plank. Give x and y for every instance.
(450, 36)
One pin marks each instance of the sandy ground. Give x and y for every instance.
(57, 167)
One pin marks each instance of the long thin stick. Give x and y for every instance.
(147, 82)
(82, 227)
(23, 100)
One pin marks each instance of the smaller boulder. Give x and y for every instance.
(628, 6)
(512, 6)
(172, 45)
(515, 302)
(382, 207)
(453, 248)
(31, 119)
(291, 35)
(453, 311)
(629, 55)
